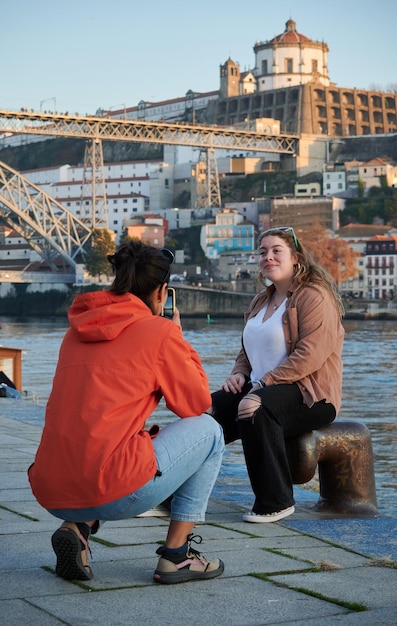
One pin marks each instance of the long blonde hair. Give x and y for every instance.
(306, 271)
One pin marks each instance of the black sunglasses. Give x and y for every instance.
(170, 256)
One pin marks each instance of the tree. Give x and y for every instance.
(379, 203)
(101, 244)
(333, 254)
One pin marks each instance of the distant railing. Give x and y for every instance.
(9, 276)
(11, 365)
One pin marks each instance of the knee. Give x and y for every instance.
(248, 406)
(215, 430)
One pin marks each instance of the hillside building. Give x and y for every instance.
(292, 85)
(229, 233)
(381, 267)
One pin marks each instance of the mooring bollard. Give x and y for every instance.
(343, 454)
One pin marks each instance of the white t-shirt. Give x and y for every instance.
(264, 342)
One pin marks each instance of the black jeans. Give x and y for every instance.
(282, 414)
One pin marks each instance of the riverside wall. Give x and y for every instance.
(191, 301)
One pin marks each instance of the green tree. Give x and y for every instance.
(101, 244)
(380, 203)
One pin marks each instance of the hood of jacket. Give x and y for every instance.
(103, 315)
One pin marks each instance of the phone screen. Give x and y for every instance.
(169, 307)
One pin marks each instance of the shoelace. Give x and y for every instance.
(191, 551)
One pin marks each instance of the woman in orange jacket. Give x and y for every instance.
(95, 460)
(287, 378)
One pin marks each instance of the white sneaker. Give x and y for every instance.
(257, 518)
(156, 511)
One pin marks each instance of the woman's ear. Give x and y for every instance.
(162, 293)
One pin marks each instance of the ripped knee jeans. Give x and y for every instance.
(249, 406)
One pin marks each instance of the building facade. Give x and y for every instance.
(292, 85)
(381, 267)
(301, 213)
(229, 233)
(127, 189)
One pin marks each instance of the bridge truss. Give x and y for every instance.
(112, 129)
(50, 229)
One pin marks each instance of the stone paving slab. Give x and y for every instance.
(375, 617)
(371, 586)
(18, 612)
(224, 602)
(338, 557)
(377, 536)
(32, 582)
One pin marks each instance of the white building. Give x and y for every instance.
(372, 172)
(127, 187)
(184, 108)
(290, 59)
(381, 267)
(334, 178)
(376, 275)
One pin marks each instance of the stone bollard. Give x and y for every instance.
(343, 453)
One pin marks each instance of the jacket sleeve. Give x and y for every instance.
(242, 364)
(180, 376)
(313, 332)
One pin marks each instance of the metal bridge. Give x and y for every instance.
(113, 129)
(49, 227)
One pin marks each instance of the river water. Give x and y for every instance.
(369, 384)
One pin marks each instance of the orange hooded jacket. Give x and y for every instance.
(115, 363)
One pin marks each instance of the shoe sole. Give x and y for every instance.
(261, 519)
(155, 513)
(171, 578)
(67, 548)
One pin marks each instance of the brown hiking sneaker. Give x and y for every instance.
(71, 549)
(183, 566)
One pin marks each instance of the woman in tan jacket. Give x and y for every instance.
(287, 378)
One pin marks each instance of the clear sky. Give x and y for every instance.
(81, 55)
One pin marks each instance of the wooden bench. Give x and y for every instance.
(343, 454)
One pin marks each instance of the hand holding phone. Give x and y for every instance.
(169, 307)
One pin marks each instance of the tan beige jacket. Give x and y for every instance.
(314, 338)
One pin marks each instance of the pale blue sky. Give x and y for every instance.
(87, 54)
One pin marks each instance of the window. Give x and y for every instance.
(314, 66)
(264, 66)
(289, 66)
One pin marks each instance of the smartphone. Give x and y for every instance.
(169, 307)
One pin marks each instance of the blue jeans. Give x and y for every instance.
(189, 454)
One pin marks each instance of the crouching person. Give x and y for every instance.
(95, 461)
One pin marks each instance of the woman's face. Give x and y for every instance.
(276, 260)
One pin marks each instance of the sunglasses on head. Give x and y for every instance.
(283, 229)
(170, 256)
